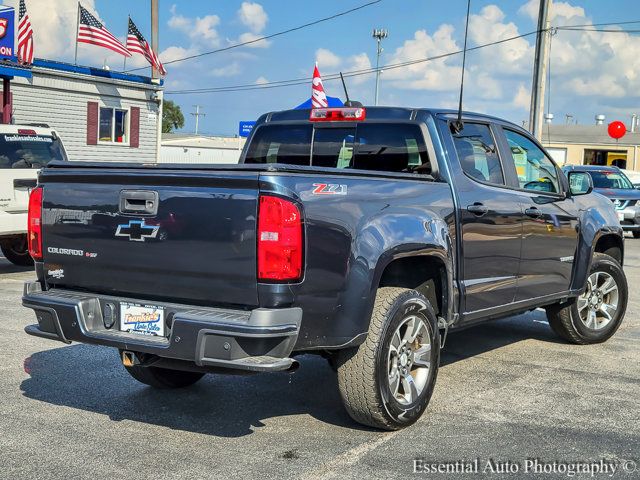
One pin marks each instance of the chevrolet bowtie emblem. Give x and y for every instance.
(137, 230)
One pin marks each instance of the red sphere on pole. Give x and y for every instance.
(617, 129)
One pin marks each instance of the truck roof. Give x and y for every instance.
(383, 113)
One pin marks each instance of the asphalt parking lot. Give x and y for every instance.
(507, 391)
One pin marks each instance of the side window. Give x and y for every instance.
(391, 148)
(477, 153)
(535, 170)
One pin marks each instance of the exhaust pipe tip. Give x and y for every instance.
(293, 367)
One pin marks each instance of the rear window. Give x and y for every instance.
(29, 151)
(373, 146)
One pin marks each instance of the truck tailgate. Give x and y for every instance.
(181, 235)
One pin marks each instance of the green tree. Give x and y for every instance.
(172, 117)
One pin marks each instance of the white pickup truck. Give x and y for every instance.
(23, 150)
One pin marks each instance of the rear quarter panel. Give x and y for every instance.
(349, 238)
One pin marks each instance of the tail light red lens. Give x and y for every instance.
(34, 228)
(279, 240)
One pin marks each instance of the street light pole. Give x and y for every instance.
(378, 34)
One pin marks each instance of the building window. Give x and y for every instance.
(114, 125)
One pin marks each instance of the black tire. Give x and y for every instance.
(636, 234)
(163, 377)
(363, 372)
(16, 251)
(566, 321)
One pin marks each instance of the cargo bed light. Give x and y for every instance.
(352, 114)
(34, 224)
(279, 240)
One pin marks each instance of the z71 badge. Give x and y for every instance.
(329, 189)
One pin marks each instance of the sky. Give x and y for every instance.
(591, 72)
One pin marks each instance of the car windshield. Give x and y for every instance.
(29, 151)
(606, 179)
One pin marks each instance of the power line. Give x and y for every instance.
(609, 30)
(267, 37)
(335, 76)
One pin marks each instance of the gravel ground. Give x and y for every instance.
(508, 391)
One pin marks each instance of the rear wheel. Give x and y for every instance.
(388, 381)
(596, 314)
(163, 377)
(16, 251)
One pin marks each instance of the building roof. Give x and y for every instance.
(10, 67)
(585, 134)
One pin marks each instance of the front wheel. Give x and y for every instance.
(595, 315)
(387, 381)
(16, 251)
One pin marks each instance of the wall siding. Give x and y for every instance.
(61, 101)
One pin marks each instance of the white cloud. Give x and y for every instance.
(560, 11)
(253, 16)
(174, 53)
(227, 71)
(327, 59)
(261, 81)
(200, 30)
(250, 37)
(522, 99)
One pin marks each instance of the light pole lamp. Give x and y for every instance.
(378, 34)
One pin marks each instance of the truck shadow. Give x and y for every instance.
(7, 267)
(91, 378)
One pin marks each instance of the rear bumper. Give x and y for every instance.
(257, 340)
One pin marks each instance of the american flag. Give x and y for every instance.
(25, 36)
(90, 30)
(318, 97)
(137, 44)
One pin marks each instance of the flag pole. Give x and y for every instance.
(126, 39)
(77, 32)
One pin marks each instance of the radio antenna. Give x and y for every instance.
(344, 85)
(457, 125)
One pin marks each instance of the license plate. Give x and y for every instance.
(142, 319)
(621, 216)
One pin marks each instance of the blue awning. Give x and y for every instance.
(332, 101)
(10, 69)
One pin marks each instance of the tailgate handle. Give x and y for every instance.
(141, 202)
(25, 183)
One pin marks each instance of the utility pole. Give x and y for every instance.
(540, 69)
(198, 114)
(378, 34)
(154, 34)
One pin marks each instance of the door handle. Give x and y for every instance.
(533, 212)
(141, 202)
(478, 209)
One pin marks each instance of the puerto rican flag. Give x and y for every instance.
(318, 97)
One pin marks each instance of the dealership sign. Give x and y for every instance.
(7, 17)
(244, 128)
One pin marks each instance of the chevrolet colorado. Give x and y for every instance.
(361, 234)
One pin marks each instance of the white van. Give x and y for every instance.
(23, 150)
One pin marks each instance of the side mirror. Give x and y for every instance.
(580, 183)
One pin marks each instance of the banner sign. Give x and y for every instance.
(7, 17)
(244, 129)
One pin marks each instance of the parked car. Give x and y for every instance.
(23, 150)
(363, 235)
(614, 184)
(634, 177)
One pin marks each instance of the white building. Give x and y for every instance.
(188, 148)
(100, 115)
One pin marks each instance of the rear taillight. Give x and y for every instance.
(34, 229)
(279, 240)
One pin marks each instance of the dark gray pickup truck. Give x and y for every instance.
(363, 235)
